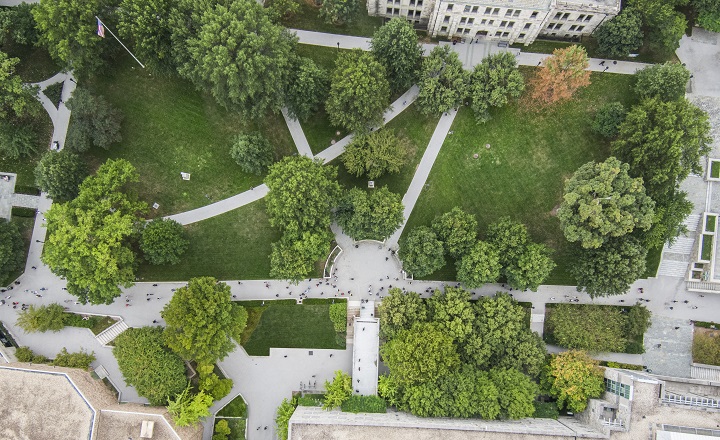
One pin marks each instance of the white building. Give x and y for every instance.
(511, 21)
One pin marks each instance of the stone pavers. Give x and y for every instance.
(667, 350)
(25, 201)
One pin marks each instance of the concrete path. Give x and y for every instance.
(701, 55)
(60, 115)
(298, 136)
(423, 171)
(221, 207)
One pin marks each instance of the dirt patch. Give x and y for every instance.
(554, 211)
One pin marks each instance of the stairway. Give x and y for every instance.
(112, 332)
(677, 257)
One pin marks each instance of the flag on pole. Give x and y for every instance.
(101, 29)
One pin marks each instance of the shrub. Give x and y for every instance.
(163, 241)
(252, 152)
(364, 404)
(282, 418)
(42, 318)
(222, 430)
(80, 359)
(338, 316)
(608, 119)
(309, 401)
(60, 174)
(24, 354)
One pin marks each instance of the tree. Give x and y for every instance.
(422, 354)
(602, 201)
(293, 259)
(210, 383)
(42, 318)
(396, 46)
(17, 24)
(509, 238)
(94, 122)
(222, 430)
(708, 14)
(453, 312)
(148, 23)
(202, 323)
(457, 230)
(370, 216)
(516, 393)
(18, 108)
(187, 409)
(663, 143)
(146, 364)
(17, 140)
(608, 119)
(479, 266)
(443, 82)
(283, 9)
(252, 152)
(621, 35)
(240, 57)
(421, 252)
(68, 30)
(560, 76)
(339, 11)
(337, 391)
(282, 418)
(666, 82)
(12, 249)
(531, 269)
(610, 269)
(587, 327)
(706, 348)
(338, 316)
(665, 25)
(302, 192)
(88, 238)
(376, 154)
(572, 378)
(307, 88)
(60, 174)
(80, 359)
(163, 241)
(670, 213)
(493, 82)
(359, 91)
(400, 311)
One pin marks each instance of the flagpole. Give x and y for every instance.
(118, 40)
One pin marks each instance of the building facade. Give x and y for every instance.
(511, 21)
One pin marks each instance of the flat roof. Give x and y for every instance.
(42, 405)
(366, 343)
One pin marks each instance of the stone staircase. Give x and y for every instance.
(677, 257)
(353, 310)
(112, 332)
(703, 286)
(705, 373)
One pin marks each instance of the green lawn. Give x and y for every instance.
(235, 408)
(362, 25)
(522, 174)
(234, 245)
(291, 326)
(35, 62)
(412, 125)
(169, 127)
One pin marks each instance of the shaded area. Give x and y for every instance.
(362, 25)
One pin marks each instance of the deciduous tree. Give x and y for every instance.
(510, 238)
(240, 57)
(479, 266)
(252, 152)
(396, 46)
(187, 409)
(163, 241)
(42, 318)
(531, 269)
(148, 365)
(560, 76)
(201, 321)
(339, 11)
(148, 24)
(572, 378)
(17, 24)
(370, 216)
(493, 82)
(18, 108)
(376, 154)
(602, 201)
(666, 82)
(443, 82)
(94, 122)
(608, 119)
(708, 14)
(359, 91)
(337, 391)
(421, 252)
(88, 238)
(611, 268)
(60, 174)
(457, 230)
(400, 311)
(307, 88)
(516, 393)
(282, 418)
(12, 249)
(453, 312)
(621, 35)
(665, 25)
(293, 258)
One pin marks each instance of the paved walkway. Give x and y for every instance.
(298, 136)
(60, 115)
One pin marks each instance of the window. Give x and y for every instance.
(498, 34)
(491, 22)
(503, 23)
(511, 24)
(483, 33)
(459, 30)
(580, 28)
(467, 8)
(388, 11)
(516, 13)
(418, 13)
(496, 11)
(508, 13)
(553, 34)
(558, 26)
(618, 388)
(419, 3)
(534, 14)
(411, 13)
(462, 20)
(450, 6)
(565, 16)
(506, 34)
(471, 20)
(581, 17)
(551, 26)
(443, 29)
(488, 10)
(527, 26)
(475, 9)
(588, 18)
(572, 28)
(447, 19)
(558, 15)
(521, 36)
(396, 11)
(483, 21)
(467, 31)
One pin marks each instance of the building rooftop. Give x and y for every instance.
(366, 343)
(540, 5)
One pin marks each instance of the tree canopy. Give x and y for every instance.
(240, 56)
(18, 108)
(12, 249)
(294, 257)
(611, 268)
(443, 82)
(148, 365)
(252, 152)
(202, 323)
(664, 24)
(560, 76)
(60, 174)
(94, 122)
(399, 311)
(666, 82)
(493, 82)
(359, 91)
(572, 378)
(88, 239)
(480, 265)
(602, 201)
(608, 119)
(339, 11)
(42, 318)
(587, 327)
(395, 45)
(373, 215)
(148, 23)
(457, 230)
(376, 154)
(621, 35)
(453, 312)
(337, 391)
(421, 252)
(163, 241)
(17, 24)
(307, 88)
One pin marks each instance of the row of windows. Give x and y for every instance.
(490, 11)
(573, 28)
(566, 15)
(466, 31)
(618, 388)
